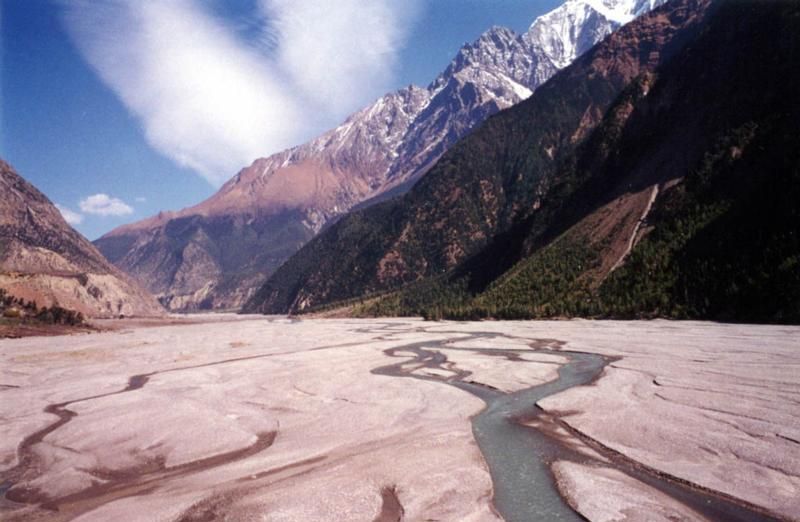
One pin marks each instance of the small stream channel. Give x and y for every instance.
(518, 456)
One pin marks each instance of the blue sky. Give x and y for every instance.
(94, 104)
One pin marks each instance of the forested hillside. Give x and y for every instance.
(658, 176)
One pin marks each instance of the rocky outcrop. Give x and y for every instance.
(43, 259)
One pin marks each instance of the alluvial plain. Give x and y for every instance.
(244, 418)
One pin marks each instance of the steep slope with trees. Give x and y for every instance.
(487, 185)
(681, 201)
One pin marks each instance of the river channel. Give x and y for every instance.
(519, 456)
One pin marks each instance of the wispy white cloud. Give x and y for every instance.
(141, 199)
(105, 205)
(70, 216)
(335, 53)
(212, 101)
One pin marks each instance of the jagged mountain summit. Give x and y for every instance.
(215, 254)
(656, 176)
(567, 32)
(43, 259)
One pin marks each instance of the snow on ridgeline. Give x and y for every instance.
(502, 67)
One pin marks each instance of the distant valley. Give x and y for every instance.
(216, 254)
(648, 178)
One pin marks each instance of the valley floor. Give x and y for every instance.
(253, 418)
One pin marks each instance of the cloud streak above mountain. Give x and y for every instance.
(213, 101)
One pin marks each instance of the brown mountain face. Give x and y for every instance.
(213, 255)
(45, 260)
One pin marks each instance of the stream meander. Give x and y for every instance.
(519, 456)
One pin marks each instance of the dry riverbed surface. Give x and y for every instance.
(252, 418)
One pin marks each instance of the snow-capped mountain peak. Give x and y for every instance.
(570, 30)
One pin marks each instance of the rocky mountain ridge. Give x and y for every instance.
(657, 176)
(479, 189)
(215, 254)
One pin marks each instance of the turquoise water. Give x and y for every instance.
(518, 456)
